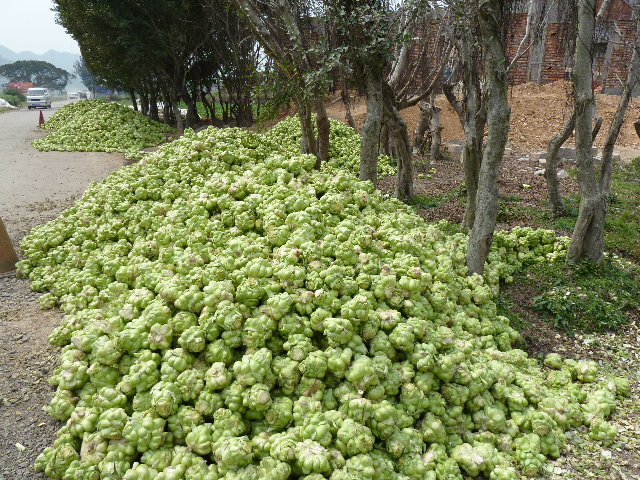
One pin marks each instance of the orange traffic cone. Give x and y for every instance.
(41, 119)
(8, 257)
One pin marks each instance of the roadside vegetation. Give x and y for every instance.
(14, 97)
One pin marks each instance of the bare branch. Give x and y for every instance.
(417, 98)
(603, 8)
(524, 40)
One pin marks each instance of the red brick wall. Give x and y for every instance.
(554, 65)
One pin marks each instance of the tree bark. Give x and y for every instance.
(473, 118)
(191, 110)
(398, 131)
(556, 204)
(371, 128)
(422, 125)
(308, 138)
(347, 108)
(385, 145)
(211, 109)
(587, 239)
(153, 106)
(166, 108)
(176, 111)
(604, 182)
(144, 104)
(598, 121)
(436, 128)
(132, 93)
(498, 114)
(324, 129)
(400, 135)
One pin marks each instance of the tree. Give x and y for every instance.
(42, 74)
(490, 16)
(472, 112)
(85, 76)
(145, 46)
(285, 29)
(587, 239)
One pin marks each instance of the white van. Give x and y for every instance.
(38, 97)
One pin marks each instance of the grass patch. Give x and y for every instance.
(585, 296)
(424, 201)
(505, 307)
(421, 202)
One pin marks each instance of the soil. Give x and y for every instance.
(538, 112)
(27, 360)
(36, 187)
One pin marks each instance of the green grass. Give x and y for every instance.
(422, 202)
(582, 297)
(505, 307)
(585, 296)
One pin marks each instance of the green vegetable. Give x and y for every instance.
(232, 312)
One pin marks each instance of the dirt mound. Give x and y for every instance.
(538, 112)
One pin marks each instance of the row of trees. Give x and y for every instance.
(171, 50)
(395, 52)
(41, 74)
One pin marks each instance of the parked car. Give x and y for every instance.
(38, 97)
(73, 96)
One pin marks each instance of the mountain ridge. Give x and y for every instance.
(64, 60)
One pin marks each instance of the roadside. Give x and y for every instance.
(36, 187)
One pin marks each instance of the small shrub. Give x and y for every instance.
(14, 97)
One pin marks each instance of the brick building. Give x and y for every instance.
(548, 59)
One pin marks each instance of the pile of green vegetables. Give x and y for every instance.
(97, 126)
(344, 146)
(232, 313)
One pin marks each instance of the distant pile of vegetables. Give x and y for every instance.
(344, 146)
(232, 313)
(98, 126)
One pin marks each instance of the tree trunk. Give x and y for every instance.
(166, 107)
(400, 134)
(347, 108)
(324, 129)
(144, 100)
(371, 128)
(588, 235)
(211, 109)
(422, 125)
(153, 106)
(556, 204)
(618, 118)
(308, 138)
(598, 121)
(191, 109)
(385, 147)
(498, 113)
(473, 118)
(436, 128)
(176, 111)
(132, 93)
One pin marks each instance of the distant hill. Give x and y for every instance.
(64, 60)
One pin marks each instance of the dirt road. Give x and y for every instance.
(34, 188)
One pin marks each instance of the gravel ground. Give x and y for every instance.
(36, 187)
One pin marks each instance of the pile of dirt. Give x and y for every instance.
(538, 112)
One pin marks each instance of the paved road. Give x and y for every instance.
(29, 177)
(34, 188)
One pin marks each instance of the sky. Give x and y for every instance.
(30, 25)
